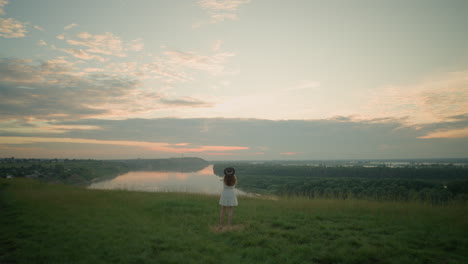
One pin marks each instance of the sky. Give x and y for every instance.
(234, 79)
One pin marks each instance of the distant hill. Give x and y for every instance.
(82, 172)
(189, 164)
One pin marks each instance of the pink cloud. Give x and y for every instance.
(182, 144)
(2, 4)
(12, 28)
(214, 148)
(66, 128)
(433, 99)
(80, 54)
(220, 10)
(154, 146)
(222, 5)
(107, 43)
(454, 133)
(289, 153)
(70, 26)
(160, 69)
(136, 45)
(213, 64)
(58, 87)
(216, 18)
(93, 70)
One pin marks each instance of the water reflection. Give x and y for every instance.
(202, 181)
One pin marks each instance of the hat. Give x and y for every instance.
(229, 171)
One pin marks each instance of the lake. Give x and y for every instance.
(203, 181)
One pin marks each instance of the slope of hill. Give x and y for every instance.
(47, 223)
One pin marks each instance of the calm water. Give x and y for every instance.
(203, 181)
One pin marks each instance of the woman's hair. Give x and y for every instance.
(230, 178)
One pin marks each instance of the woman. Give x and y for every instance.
(228, 196)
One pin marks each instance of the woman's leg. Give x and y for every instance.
(221, 217)
(230, 214)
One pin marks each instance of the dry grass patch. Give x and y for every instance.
(226, 228)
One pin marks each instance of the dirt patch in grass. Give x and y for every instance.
(226, 228)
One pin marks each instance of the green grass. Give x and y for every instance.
(45, 223)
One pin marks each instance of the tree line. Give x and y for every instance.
(437, 184)
(75, 171)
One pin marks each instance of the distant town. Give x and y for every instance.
(369, 163)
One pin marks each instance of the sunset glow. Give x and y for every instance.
(159, 147)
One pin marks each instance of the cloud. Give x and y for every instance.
(216, 18)
(136, 45)
(100, 44)
(177, 66)
(153, 146)
(222, 5)
(66, 128)
(455, 133)
(159, 69)
(453, 127)
(213, 64)
(70, 26)
(2, 4)
(433, 99)
(42, 43)
(19, 71)
(169, 68)
(80, 54)
(186, 101)
(48, 89)
(106, 44)
(220, 10)
(39, 28)
(298, 139)
(173, 66)
(65, 63)
(40, 127)
(217, 45)
(93, 70)
(55, 90)
(242, 138)
(12, 28)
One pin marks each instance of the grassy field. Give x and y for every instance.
(45, 223)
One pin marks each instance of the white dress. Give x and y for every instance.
(228, 196)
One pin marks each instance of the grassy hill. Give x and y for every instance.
(46, 223)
